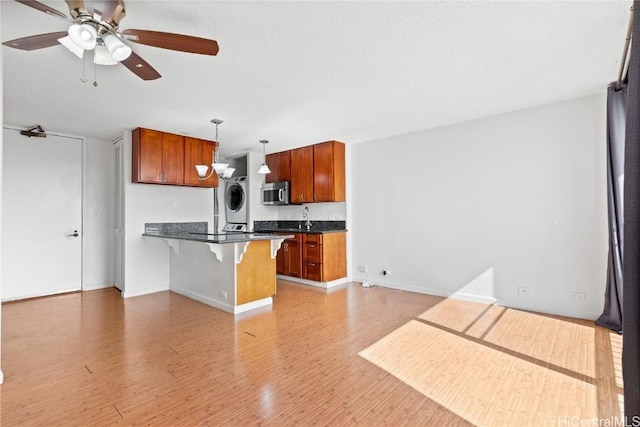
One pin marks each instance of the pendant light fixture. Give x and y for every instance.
(264, 169)
(221, 169)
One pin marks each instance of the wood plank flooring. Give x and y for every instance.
(351, 356)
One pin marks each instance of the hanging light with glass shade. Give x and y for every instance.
(221, 169)
(264, 169)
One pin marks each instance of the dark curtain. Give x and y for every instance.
(616, 116)
(631, 248)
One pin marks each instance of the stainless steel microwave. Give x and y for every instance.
(275, 193)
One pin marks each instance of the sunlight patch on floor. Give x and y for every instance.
(496, 366)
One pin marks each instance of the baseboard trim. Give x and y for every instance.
(137, 293)
(223, 306)
(325, 285)
(96, 286)
(483, 299)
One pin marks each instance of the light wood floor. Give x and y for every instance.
(353, 356)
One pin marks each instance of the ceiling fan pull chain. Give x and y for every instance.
(95, 75)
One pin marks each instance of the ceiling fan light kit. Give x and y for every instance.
(73, 48)
(84, 35)
(118, 50)
(101, 56)
(100, 34)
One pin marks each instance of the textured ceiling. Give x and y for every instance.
(297, 73)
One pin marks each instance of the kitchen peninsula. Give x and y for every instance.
(234, 272)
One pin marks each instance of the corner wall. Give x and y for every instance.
(98, 264)
(145, 259)
(477, 210)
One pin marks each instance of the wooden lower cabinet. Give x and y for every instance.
(289, 257)
(324, 256)
(317, 257)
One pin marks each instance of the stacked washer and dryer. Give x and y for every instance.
(235, 202)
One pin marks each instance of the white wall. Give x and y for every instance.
(146, 259)
(98, 268)
(257, 211)
(325, 211)
(481, 208)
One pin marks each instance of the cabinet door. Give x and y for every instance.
(283, 166)
(312, 271)
(329, 172)
(280, 166)
(172, 158)
(294, 253)
(198, 152)
(146, 154)
(272, 161)
(312, 252)
(302, 175)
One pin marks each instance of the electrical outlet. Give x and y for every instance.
(524, 290)
(578, 295)
(362, 268)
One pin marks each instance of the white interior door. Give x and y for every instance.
(41, 215)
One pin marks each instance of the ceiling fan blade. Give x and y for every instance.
(39, 41)
(179, 42)
(140, 67)
(43, 8)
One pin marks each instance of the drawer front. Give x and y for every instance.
(312, 252)
(312, 238)
(312, 271)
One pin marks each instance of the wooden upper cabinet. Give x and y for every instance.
(146, 161)
(329, 172)
(198, 152)
(280, 166)
(302, 175)
(166, 158)
(157, 157)
(316, 172)
(172, 158)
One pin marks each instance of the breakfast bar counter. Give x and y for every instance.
(233, 272)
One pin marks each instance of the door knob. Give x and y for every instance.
(75, 234)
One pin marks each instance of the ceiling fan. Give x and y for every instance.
(98, 31)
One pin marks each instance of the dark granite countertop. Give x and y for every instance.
(317, 227)
(197, 232)
(298, 230)
(217, 238)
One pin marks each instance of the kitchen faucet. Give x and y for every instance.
(305, 215)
